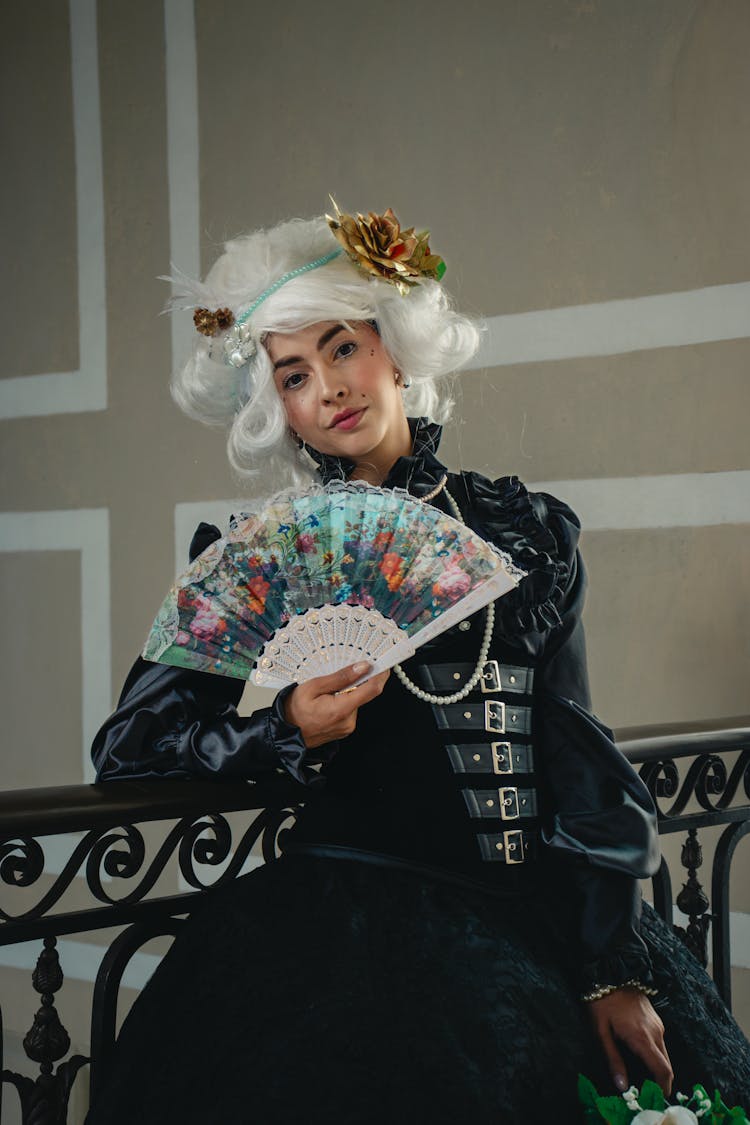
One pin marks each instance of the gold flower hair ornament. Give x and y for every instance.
(378, 245)
(211, 323)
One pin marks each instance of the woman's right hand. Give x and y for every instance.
(325, 708)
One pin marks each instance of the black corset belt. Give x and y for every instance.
(495, 677)
(490, 757)
(491, 715)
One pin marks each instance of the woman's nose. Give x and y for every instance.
(332, 387)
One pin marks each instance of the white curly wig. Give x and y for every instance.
(426, 339)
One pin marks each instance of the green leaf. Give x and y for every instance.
(651, 1096)
(614, 1111)
(587, 1094)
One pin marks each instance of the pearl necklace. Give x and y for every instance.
(489, 626)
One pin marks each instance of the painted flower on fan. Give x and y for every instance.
(327, 558)
(382, 540)
(305, 543)
(182, 637)
(452, 584)
(378, 245)
(258, 588)
(365, 600)
(344, 592)
(207, 624)
(391, 567)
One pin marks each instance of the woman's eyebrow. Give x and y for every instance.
(329, 334)
(290, 360)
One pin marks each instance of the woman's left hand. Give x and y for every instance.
(628, 1016)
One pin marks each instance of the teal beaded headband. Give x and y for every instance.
(239, 345)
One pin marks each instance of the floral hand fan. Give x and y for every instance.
(320, 579)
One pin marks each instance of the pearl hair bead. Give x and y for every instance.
(489, 626)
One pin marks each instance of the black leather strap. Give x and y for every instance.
(490, 716)
(495, 677)
(491, 757)
(505, 803)
(513, 846)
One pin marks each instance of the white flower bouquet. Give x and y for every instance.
(650, 1107)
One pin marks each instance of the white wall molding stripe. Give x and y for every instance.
(182, 156)
(678, 500)
(85, 530)
(68, 392)
(80, 960)
(664, 320)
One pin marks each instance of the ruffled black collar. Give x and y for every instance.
(418, 473)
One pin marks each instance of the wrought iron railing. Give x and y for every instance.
(698, 776)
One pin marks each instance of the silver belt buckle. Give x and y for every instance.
(490, 678)
(494, 716)
(513, 843)
(501, 757)
(508, 798)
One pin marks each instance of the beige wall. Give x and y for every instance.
(563, 154)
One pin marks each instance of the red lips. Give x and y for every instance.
(342, 418)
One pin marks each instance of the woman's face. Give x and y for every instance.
(339, 390)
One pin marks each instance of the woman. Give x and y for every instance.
(454, 930)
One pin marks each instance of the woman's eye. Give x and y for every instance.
(294, 380)
(345, 349)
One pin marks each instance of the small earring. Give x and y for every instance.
(296, 438)
(401, 382)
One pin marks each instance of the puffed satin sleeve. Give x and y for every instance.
(603, 818)
(175, 723)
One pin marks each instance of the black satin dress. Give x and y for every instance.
(382, 969)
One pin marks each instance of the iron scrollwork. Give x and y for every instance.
(116, 854)
(707, 781)
(120, 854)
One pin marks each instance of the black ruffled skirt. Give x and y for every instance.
(320, 990)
